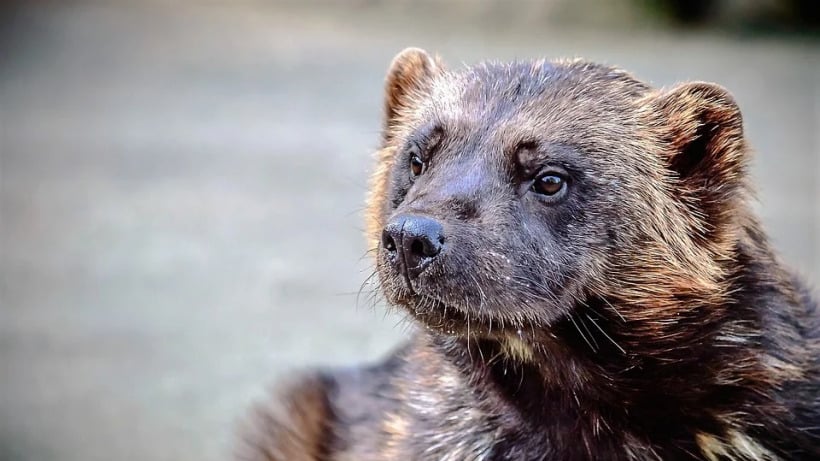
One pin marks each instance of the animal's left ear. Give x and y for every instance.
(703, 130)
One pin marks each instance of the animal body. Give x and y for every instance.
(588, 278)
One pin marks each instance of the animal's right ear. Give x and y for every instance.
(410, 74)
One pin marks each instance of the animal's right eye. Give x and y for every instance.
(416, 165)
(549, 184)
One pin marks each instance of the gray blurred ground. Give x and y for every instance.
(182, 190)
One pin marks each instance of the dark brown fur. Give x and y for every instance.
(641, 316)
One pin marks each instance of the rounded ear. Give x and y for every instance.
(703, 128)
(410, 73)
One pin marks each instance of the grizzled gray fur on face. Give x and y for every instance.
(579, 252)
(486, 138)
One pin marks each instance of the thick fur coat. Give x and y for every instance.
(598, 287)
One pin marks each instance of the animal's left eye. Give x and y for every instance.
(416, 165)
(549, 184)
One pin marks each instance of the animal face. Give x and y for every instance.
(507, 195)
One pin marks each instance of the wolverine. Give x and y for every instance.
(579, 252)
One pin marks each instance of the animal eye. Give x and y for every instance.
(416, 165)
(549, 184)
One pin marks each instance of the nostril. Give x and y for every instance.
(423, 246)
(417, 247)
(387, 241)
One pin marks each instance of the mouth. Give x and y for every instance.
(434, 300)
(452, 319)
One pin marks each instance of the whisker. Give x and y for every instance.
(606, 335)
(591, 336)
(368, 252)
(468, 336)
(572, 319)
(482, 296)
(613, 308)
(364, 283)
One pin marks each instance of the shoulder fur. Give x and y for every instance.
(292, 426)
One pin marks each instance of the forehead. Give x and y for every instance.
(563, 101)
(491, 88)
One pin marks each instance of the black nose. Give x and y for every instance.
(412, 242)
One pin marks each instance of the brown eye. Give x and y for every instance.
(549, 184)
(416, 165)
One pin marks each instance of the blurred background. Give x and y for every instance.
(181, 187)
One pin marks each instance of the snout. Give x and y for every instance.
(412, 242)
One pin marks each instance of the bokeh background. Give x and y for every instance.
(181, 187)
